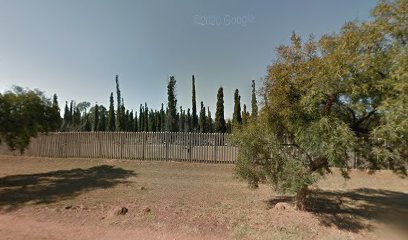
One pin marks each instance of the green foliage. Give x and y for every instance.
(194, 108)
(219, 125)
(171, 122)
(325, 99)
(236, 117)
(254, 102)
(203, 120)
(25, 113)
(111, 115)
(96, 118)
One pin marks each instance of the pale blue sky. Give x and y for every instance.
(74, 48)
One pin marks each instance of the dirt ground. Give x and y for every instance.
(44, 198)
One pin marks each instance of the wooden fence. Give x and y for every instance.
(164, 146)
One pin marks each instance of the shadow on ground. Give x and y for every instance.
(357, 209)
(42, 188)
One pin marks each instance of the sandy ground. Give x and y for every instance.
(43, 198)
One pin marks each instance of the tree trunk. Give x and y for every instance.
(301, 198)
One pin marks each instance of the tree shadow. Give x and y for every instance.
(43, 188)
(357, 209)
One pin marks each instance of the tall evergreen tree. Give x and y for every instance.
(119, 115)
(130, 122)
(71, 112)
(141, 119)
(237, 118)
(202, 119)
(54, 116)
(188, 121)
(194, 108)
(146, 118)
(219, 113)
(87, 127)
(67, 117)
(102, 121)
(245, 115)
(135, 123)
(96, 118)
(254, 102)
(171, 123)
(111, 115)
(209, 121)
(229, 126)
(162, 118)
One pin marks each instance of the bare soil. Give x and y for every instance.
(45, 198)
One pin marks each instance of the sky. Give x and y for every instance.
(74, 48)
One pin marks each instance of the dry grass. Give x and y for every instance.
(189, 200)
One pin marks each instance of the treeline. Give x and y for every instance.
(171, 117)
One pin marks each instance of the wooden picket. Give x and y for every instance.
(162, 146)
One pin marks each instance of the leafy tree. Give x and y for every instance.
(171, 123)
(236, 117)
(254, 103)
(219, 125)
(194, 108)
(345, 92)
(111, 115)
(23, 114)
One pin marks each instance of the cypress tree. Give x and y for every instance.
(111, 115)
(130, 122)
(119, 106)
(202, 119)
(66, 117)
(219, 113)
(141, 119)
(209, 121)
(102, 121)
(162, 118)
(96, 118)
(254, 102)
(245, 115)
(237, 118)
(188, 121)
(146, 118)
(182, 120)
(77, 117)
(158, 121)
(71, 112)
(87, 126)
(229, 126)
(125, 120)
(171, 123)
(54, 118)
(124, 116)
(135, 124)
(194, 109)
